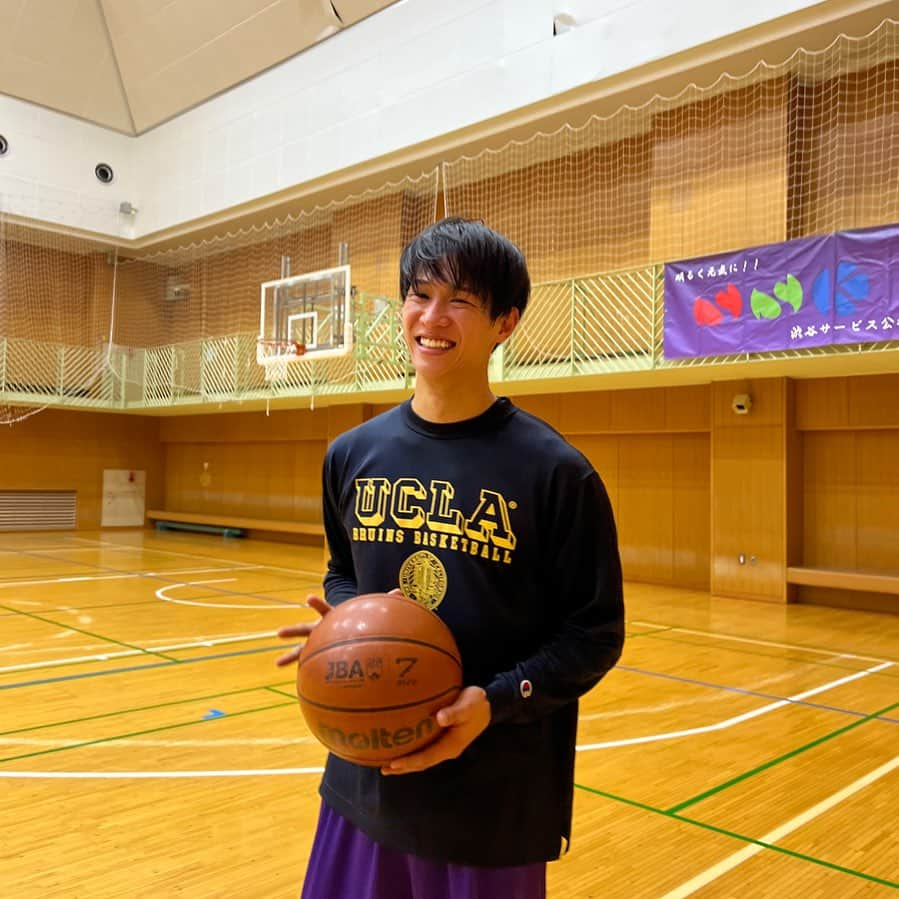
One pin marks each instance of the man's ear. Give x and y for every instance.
(508, 323)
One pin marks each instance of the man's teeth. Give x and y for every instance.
(433, 344)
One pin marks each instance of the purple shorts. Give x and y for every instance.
(346, 864)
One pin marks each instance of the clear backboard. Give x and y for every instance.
(304, 316)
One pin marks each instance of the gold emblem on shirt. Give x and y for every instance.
(423, 578)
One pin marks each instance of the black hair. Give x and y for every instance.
(468, 256)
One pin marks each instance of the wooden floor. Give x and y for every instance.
(149, 747)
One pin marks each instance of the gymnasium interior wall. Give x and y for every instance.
(64, 450)
(808, 477)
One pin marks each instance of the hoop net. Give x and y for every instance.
(277, 356)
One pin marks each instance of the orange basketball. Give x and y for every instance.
(372, 675)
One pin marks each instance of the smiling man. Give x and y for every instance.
(486, 515)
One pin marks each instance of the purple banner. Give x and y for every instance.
(840, 288)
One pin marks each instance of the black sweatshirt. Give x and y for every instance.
(506, 531)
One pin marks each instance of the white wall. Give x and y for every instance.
(48, 172)
(418, 69)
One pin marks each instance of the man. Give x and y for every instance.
(487, 515)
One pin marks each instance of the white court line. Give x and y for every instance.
(718, 696)
(136, 652)
(163, 595)
(147, 775)
(717, 636)
(318, 575)
(728, 864)
(737, 719)
(121, 577)
(116, 744)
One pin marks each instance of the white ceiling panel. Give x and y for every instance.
(56, 53)
(132, 64)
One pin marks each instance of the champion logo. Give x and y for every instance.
(525, 688)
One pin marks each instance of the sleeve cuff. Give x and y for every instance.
(503, 697)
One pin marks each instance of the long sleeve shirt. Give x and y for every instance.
(506, 532)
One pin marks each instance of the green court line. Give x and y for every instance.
(117, 605)
(675, 809)
(140, 733)
(79, 630)
(771, 655)
(658, 630)
(741, 837)
(143, 708)
(293, 696)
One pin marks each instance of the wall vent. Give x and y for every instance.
(37, 510)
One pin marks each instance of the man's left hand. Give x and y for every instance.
(464, 720)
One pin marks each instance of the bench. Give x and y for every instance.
(843, 579)
(231, 525)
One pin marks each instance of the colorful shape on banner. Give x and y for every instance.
(834, 289)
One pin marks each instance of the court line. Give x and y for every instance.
(87, 633)
(739, 690)
(766, 841)
(60, 743)
(161, 594)
(757, 642)
(150, 708)
(675, 809)
(130, 575)
(103, 657)
(172, 552)
(141, 733)
(149, 775)
(773, 847)
(158, 576)
(166, 664)
(736, 719)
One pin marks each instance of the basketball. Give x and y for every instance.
(372, 676)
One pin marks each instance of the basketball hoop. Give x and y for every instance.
(277, 355)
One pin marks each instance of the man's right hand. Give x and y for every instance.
(291, 632)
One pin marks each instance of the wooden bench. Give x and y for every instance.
(843, 579)
(232, 525)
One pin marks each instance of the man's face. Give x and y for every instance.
(449, 332)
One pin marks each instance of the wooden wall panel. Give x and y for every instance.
(278, 479)
(830, 476)
(878, 500)
(64, 450)
(748, 477)
(243, 427)
(866, 401)
(691, 510)
(659, 488)
(659, 409)
(646, 508)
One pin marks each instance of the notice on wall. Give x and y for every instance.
(123, 498)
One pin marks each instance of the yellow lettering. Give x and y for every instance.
(442, 518)
(490, 521)
(404, 510)
(371, 500)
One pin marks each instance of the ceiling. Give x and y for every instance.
(131, 64)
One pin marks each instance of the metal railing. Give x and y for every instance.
(592, 326)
